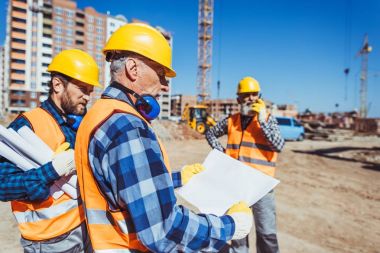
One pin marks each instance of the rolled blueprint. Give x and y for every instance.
(28, 135)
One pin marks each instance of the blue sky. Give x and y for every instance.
(297, 49)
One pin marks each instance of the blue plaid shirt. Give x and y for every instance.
(127, 163)
(32, 185)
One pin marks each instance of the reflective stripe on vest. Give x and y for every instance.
(50, 218)
(110, 231)
(250, 145)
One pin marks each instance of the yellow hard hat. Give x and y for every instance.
(247, 85)
(143, 40)
(76, 64)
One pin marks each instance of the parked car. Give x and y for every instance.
(290, 128)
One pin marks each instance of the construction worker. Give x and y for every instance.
(48, 224)
(253, 138)
(123, 170)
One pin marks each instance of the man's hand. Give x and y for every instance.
(260, 108)
(243, 218)
(63, 160)
(188, 171)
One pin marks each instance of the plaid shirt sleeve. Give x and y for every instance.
(272, 133)
(176, 178)
(213, 133)
(16, 184)
(126, 160)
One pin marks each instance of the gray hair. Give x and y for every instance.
(118, 59)
(116, 66)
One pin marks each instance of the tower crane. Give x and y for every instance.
(363, 52)
(197, 116)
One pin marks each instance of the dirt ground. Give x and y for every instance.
(328, 199)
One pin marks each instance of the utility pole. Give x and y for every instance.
(205, 36)
(364, 51)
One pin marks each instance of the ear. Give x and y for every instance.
(57, 85)
(239, 99)
(131, 69)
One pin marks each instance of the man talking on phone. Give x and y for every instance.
(253, 138)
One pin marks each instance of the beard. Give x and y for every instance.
(246, 109)
(70, 107)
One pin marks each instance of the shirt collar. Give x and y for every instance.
(52, 108)
(112, 91)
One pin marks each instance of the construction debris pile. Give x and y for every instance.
(170, 130)
(337, 126)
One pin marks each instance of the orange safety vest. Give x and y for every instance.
(107, 228)
(43, 220)
(250, 145)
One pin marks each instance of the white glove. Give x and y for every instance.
(64, 163)
(243, 225)
(243, 218)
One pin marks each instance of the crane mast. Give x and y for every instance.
(205, 36)
(364, 51)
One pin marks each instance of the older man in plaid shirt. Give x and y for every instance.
(253, 138)
(123, 170)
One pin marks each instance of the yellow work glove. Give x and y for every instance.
(243, 219)
(260, 108)
(188, 171)
(63, 160)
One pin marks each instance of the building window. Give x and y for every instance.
(59, 20)
(33, 95)
(69, 41)
(58, 10)
(80, 15)
(69, 32)
(79, 24)
(18, 30)
(46, 35)
(90, 28)
(45, 64)
(70, 22)
(79, 42)
(47, 26)
(58, 30)
(99, 30)
(46, 45)
(99, 38)
(19, 20)
(58, 39)
(90, 19)
(18, 102)
(18, 61)
(17, 81)
(46, 74)
(21, 51)
(99, 48)
(79, 33)
(19, 9)
(18, 71)
(33, 104)
(18, 40)
(99, 21)
(69, 13)
(46, 55)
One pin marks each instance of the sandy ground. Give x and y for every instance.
(328, 199)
